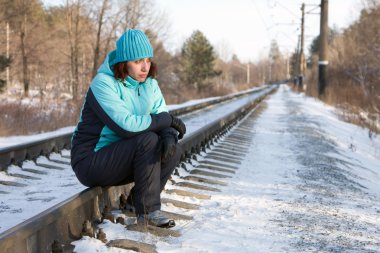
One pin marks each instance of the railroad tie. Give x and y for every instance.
(223, 158)
(45, 163)
(180, 204)
(187, 193)
(228, 151)
(197, 186)
(233, 156)
(205, 180)
(132, 245)
(214, 168)
(11, 183)
(218, 164)
(161, 232)
(209, 174)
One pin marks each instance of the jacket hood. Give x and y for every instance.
(105, 68)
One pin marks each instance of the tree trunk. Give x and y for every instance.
(98, 34)
(24, 58)
(74, 45)
(76, 53)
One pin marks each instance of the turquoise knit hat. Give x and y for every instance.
(132, 45)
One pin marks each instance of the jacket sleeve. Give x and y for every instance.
(112, 111)
(159, 104)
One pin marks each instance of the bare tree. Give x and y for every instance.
(113, 22)
(73, 9)
(23, 16)
(100, 21)
(133, 14)
(354, 63)
(143, 14)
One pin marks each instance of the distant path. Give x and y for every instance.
(322, 195)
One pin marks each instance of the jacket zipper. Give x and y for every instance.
(139, 101)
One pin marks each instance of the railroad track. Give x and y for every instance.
(55, 228)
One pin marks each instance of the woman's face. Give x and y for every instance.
(139, 69)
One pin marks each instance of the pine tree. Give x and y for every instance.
(314, 45)
(274, 52)
(198, 62)
(4, 63)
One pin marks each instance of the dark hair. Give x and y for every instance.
(120, 70)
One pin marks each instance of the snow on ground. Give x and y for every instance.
(309, 183)
(10, 141)
(51, 186)
(45, 191)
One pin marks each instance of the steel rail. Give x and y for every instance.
(63, 223)
(16, 154)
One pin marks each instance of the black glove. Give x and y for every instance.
(178, 124)
(168, 141)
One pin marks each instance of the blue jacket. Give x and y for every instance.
(115, 109)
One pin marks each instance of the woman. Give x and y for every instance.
(125, 133)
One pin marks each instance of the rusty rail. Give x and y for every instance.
(62, 223)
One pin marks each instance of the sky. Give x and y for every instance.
(247, 27)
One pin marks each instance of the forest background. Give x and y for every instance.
(48, 56)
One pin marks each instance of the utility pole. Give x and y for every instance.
(7, 54)
(301, 67)
(287, 66)
(323, 37)
(297, 64)
(248, 73)
(270, 70)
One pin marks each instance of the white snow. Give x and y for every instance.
(40, 194)
(275, 202)
(269, 205)
(10, 141)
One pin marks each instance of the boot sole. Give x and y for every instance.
(170, 224)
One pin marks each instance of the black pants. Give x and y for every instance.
(135, 160)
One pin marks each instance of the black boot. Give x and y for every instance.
(155, 218)
(129, 205)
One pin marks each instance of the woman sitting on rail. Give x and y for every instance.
(125, 133)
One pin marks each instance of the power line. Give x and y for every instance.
(261, 18)
(286, 8)
(310, 11)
